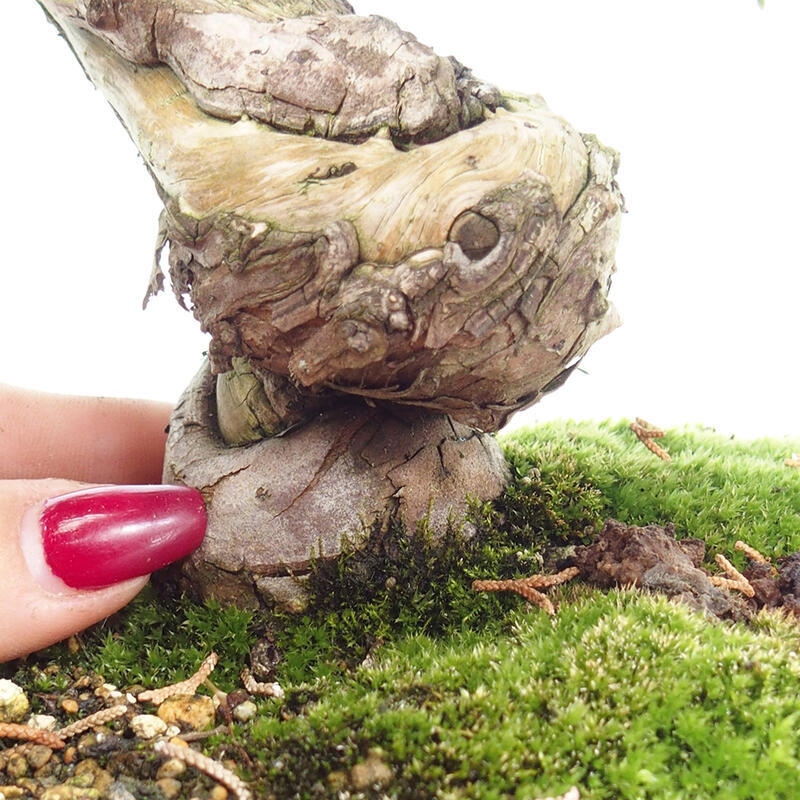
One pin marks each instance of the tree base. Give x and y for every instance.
(278, 504)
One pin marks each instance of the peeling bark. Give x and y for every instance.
(325, 71)
(360, 267)
(477, 326)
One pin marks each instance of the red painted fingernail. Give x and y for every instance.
(101, 536)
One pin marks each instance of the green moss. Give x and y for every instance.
(623, 695)
(465, 695)
(567, 479)
(149, 644)
(399, 585)
(716, 488)
(165, 649)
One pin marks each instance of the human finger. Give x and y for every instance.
(71, 554)
(93, 439)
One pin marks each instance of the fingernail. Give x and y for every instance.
(108, 534)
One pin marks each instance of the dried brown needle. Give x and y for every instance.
(27, 733)
(214, 769)
(93, 720)
(646, 432)
(733, 579)
(187, 687)
(529, 587)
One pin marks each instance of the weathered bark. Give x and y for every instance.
(350, 214)
(307, 67)
(351, 266)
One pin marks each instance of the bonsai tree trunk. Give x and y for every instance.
(390, 255)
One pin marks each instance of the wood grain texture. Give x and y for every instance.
(468, 274)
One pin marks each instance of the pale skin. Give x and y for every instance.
(51, 445)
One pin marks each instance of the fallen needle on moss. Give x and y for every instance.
(529, 587)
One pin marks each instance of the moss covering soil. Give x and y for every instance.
(400, 681)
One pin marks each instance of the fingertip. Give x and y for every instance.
(103, 535)
(98, 569)
(42, 618)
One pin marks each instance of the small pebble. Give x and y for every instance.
(219, 792)
(195, 713)
(171, 768)
(103, 780)
(90, 773)
(48, 772)
(147, 726)
(14, 704)
(90, 742)
(337, 781)
(245, 711)
(109, 691)
(29, 786)
(69, 705)
(38, 755)
(17, 766)
(44, 722)
(68, 792)
(373, 773)
(118, 791)
(169, 787)
(84, 774)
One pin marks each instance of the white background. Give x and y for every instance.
(699, 96)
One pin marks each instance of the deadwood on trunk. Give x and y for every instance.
(467, 274)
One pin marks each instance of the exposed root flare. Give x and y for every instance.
(209, 766)
(646, 432)
(187, 687)
(529, 587)
(733, 579)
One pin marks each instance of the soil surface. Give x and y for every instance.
(652, 558)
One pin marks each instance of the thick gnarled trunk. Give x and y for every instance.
(363, 227)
